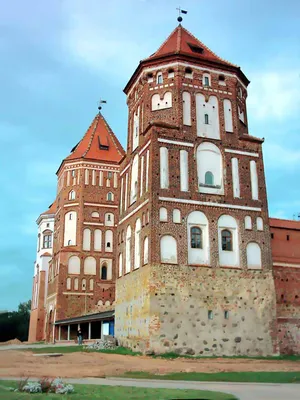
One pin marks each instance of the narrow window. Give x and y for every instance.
(69, 242)
(47, 242)
(226, 314)
(196, 238)
(108, 217)
(159, 78)
(210, 314)
(73, 173)
(104, 272)
(206, 120)
(226, 240)
(83, 284)
(209, 178)
(70, 216)
(287, 237)
(109, 196)
(206, 81)
(109, 175)
(272, 235)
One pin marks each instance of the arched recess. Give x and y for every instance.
(95, 214)
(176, 216)
(69, 283)
(136, 129)
(120, 264)
(74, 265)
(198, 239)
(97, 240)
(253, 256)
(228, 241)
(207, 115)
(254, 180)
(184, 170)
(137, 244)
(72, 195)
(109, 219)
(134, 179)
(109, 241)
(89, 266)
(228, 116)
(86, 244)
(164, 167)
(259, 224)
(186, 100)
(168, 249)
(70, 228)
(209, 160)
(76, 284)
(248, 222)
(146, 251)
(163, 214)
(158, 103)
(128, 250)
(103, 275)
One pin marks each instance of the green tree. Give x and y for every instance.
(15, 324)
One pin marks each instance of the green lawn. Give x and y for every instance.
(91, 392)
(262, 377)
(76, 349)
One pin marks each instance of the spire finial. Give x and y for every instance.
(101, 102)
(180, 11)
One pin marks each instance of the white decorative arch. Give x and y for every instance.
(86, 243)
(95, 214)
(228, 116)
(89, 266)
(136, 129)
(137, 244)
(176, 216)
(128, 250)
(184, 170)
(209, 159)
(120, 264)
(207, 115)
(158, 103)
(163, 214)
(254, 180)
(76, 283)
(186, 100)
(206, 79)
(109, 241)
(168, 249)
(70, 228)
(253, 256)
(72, 195)
(69, 283)
(159, 78)
(134, 179)
(74, 265)
(248, 222)
(259, 224)
(228, 258)
(198, 255)
(97, 240)
(164, 167)
(146, 251)
(235, 177)
(109, 219)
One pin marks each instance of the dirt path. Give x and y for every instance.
(74, 365)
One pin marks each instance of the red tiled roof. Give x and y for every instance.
(46, 255)
(99, 143)
(284, 223)
(181, 41)
(51, 209)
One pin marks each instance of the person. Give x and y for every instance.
(79, 336)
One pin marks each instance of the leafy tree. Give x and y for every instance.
(15, 324)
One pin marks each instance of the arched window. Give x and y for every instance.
(146, 251)
(159, 78)
(168, 249)
(97, 240)
(210, 169)
(76, 284)
(259, 224)
(207, 116)
(109, 219)
(209, 178)
(206, 119)
(163, 214)
(226, 240)
(120, 264)
(69, 283)
(69, 242)
(164, 168)
(72, 195)
(74, 265)
(253, 256)
(128, 249)
(196, 238)
(91, 285)
(206, 80)
(95, 214)
(137, 235)
(104, 272)
(109, 241)
(248, 222)
(176, 216)
(110, 196)
(89, 267)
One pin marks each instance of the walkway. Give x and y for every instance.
(244, 391)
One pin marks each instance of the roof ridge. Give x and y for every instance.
(163, 42)
(92, 136)
(114, 138)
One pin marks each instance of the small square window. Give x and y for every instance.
(226, 314)
(210, 314)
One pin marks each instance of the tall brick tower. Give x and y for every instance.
(81, 283)
(194, 256)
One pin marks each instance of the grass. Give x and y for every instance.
(172, 356)
(76, 349)
(91, 392)
(261, 377)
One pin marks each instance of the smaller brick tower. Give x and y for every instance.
(81, 282)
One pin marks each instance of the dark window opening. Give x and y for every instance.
(108, 244)
(206, 119)
(287, 237)
(221, 78)
(104, 272)
(188, 70)
(196, 238)
(210, 314)
(206, 81)
(209, 178)
(272, 235)
(195, 48)
(226, 314)
(226, 240)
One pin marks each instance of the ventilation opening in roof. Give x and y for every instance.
(102, 146)
(195, 48)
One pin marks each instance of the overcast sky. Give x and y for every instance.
(59, 57)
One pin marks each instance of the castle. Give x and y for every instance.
(169, 246)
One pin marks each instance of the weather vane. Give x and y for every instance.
(180, 11)
(101, 102)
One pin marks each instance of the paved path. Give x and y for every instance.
(244, 391)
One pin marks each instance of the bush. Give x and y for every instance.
(45, 385)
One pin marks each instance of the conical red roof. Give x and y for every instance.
(181, 41)
(99, 143)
